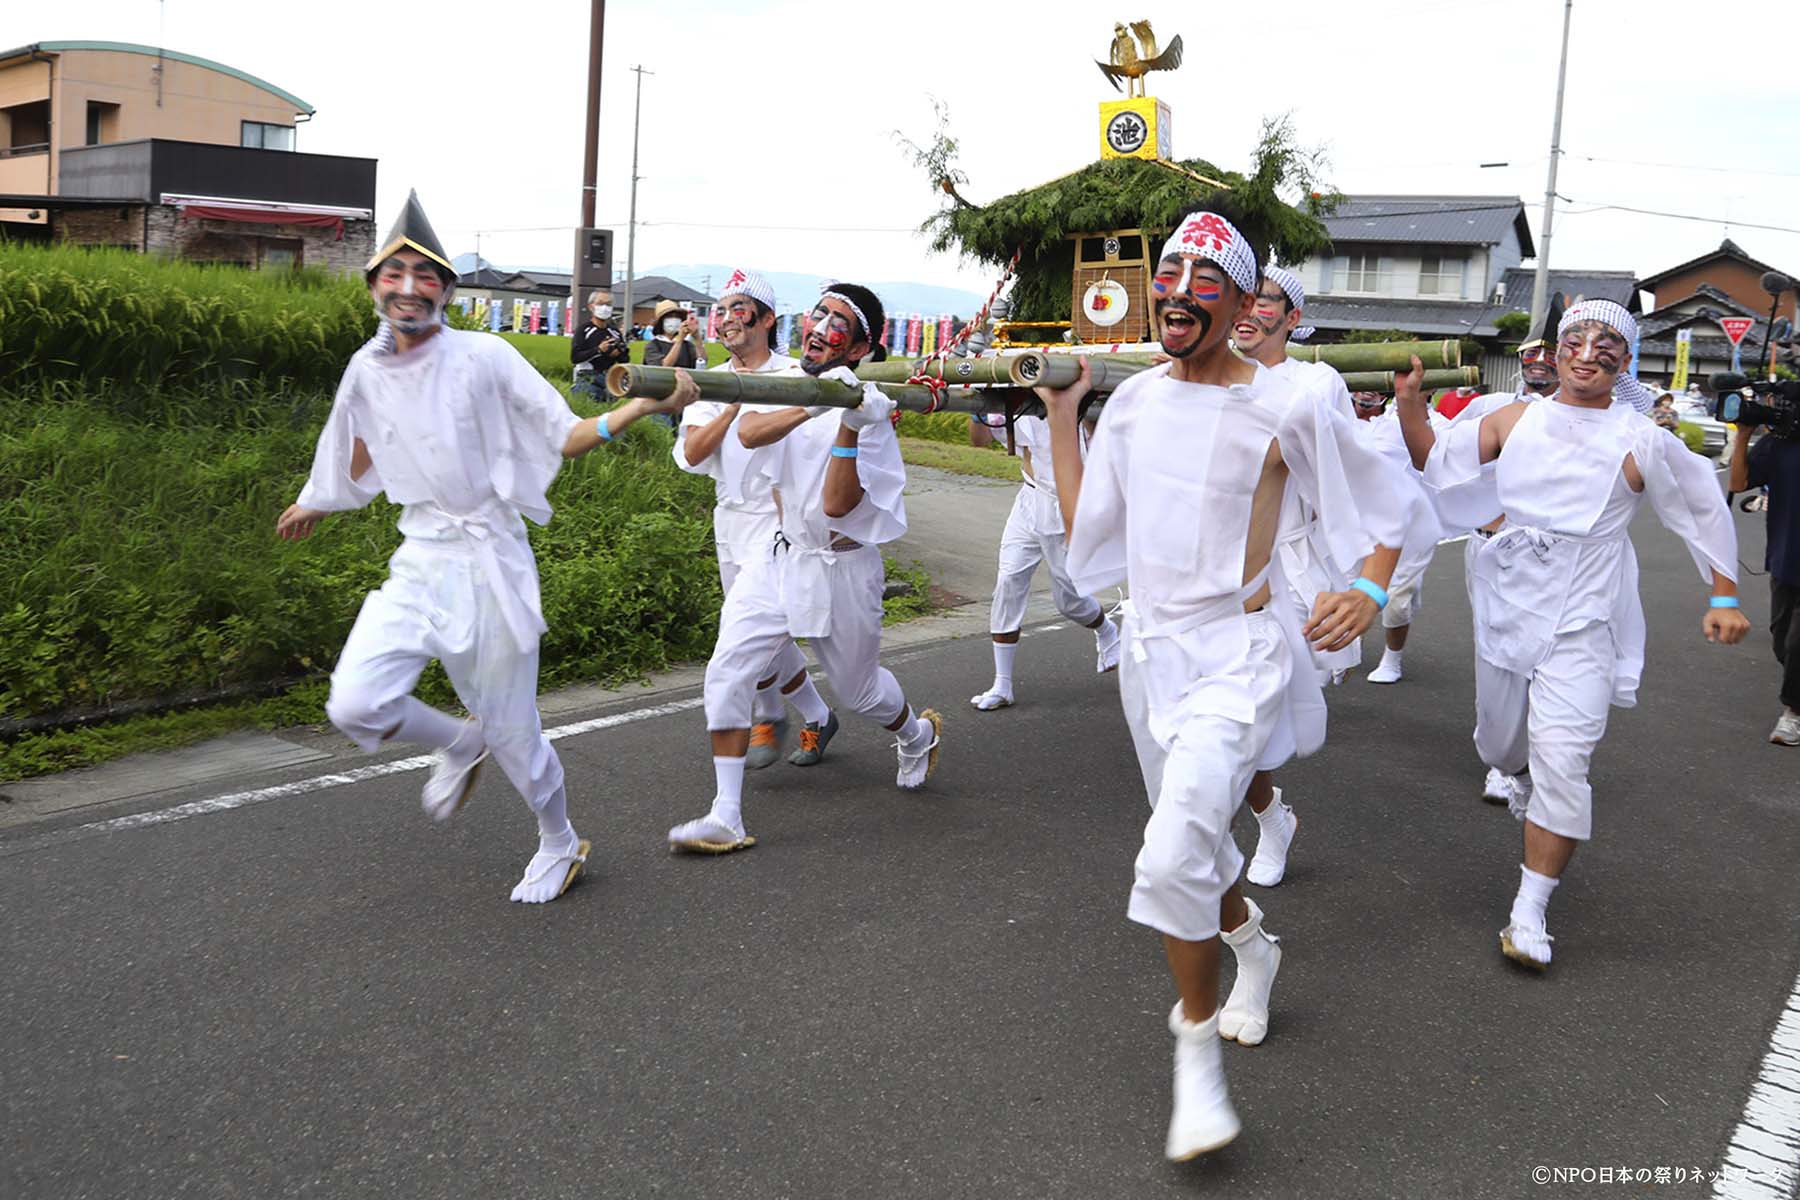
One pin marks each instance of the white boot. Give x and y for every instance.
(1203, 1118)
(1245, 1017)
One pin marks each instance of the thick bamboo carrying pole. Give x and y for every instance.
(1381, 356)
(1383, 381)
(732, 387)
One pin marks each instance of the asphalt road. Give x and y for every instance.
(915, 995)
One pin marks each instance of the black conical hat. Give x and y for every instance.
(412, 231)
(1546, 330)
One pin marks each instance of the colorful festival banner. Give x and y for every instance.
(494, 315)
(784, 332)
(518, 316)
(928, 338)
(915, 332)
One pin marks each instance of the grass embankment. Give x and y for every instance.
(155, 417)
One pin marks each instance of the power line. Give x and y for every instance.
(1638, 162)
(1651, 212)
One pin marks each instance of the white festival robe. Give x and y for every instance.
(1033, 535)
(817, 585)
(467, 437)
(1305, 563)
(744, 527)
(1559, 625)
(1563, 560)
(1424, 529)
(1165, 507)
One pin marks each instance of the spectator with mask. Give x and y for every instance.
(1774, 463)
(1664, 413)
(597, 346)
(675, 339)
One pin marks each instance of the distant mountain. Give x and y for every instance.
(796, 290)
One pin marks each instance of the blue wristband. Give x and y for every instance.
(1372, 590)
(601, 429)
(1725, 602)
(843, 452)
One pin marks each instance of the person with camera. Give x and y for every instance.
(597, 347)
(1774, 463)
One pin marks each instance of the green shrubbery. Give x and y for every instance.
(156, 417)
(141, 560)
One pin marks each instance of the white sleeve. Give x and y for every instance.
(1462, 487)
(1362, 499)
(694, 416)
(542, 418)
(329, 488)
(1685, 494)
(1096, 558)
(880, 516)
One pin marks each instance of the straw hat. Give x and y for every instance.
(665, 307)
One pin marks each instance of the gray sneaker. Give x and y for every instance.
(766, 738)
(813, 740)
(1787, 729)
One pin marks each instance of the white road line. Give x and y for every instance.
(318, 783)
(1763, 1160)
(399, 766)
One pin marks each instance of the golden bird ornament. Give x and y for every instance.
(1131, 61)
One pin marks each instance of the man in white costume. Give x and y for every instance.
(1033, 536)
(1181, 498)
(1406, 594)
(466, 436)
(1561, 632)
(745, 525)
(1470, 507)
(1262, 335)
(839, 475)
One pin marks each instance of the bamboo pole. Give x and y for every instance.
(1382, 356)
(734, 387)
(1383, 381)
(986, 370)
(1105, 371)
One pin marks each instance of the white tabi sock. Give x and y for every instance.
(554, 830)
(1534, 896)
(808, 703)
(1003, 665)
(1389, 669)
(424, 725)
(728, 802)
(917, 732)
(1244, 1018)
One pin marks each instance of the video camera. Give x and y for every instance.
(1772, 403)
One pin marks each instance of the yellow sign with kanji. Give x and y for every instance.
(1134, 128)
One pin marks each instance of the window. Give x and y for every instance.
(1439, 276)
(1359, 272)
(29, 125)
(260, 135)
(102, 122)
(280, 254)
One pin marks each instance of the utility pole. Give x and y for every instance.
(590, 163)
(1540, 284)
(631, 230)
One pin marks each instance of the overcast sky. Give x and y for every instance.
(768, 127)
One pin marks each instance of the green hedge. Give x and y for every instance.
(140, 560)
(81, 320)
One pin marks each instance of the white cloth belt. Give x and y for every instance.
(806, 587)
(504, 556)
(1199, 673)
(1514, 633)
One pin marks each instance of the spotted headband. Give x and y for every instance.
(1289, 284)
(1210, 236)
(1604, 311)
(861, 320)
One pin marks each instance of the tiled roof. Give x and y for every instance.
(1470, 318)
(658, 287)
(1618, 286)
(1727, 249)
(1432, 220)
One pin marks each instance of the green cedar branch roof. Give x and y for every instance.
(1117, 193)
(300, 105)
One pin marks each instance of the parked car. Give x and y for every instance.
(1714, 431)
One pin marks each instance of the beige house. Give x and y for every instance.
(120, 144)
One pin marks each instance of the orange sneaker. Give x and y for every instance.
(813, 740)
